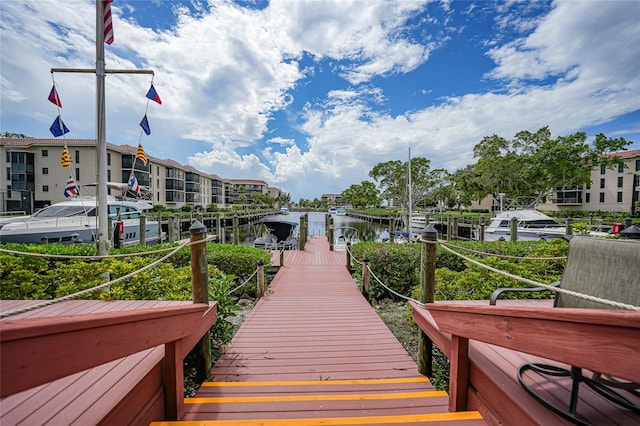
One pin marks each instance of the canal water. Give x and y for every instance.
(367, 231)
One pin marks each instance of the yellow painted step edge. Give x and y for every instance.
(296, 398)
(408, 418)
(321, 382)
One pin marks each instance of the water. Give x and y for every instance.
(367, 231)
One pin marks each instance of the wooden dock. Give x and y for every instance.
(313, 351)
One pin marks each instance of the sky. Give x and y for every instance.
(309, 95)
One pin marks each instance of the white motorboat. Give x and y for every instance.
(333, 210)
(284, 210)
(75, 221)
(344, 235)
(341, 211)
(532, 225)
(281, 234)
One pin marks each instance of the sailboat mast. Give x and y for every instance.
(410, 195)
(104, 239)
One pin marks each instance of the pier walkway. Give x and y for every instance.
(313, 351)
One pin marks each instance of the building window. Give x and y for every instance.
(45, 188)
(602, 183)
(45, 152)
(602, 197)
(619, 197)
(603, 169)
(108, 175)
(8, 173)
(587, 197)
(77, 173)
(620, 168)
(45, 170)
(77, 157)
(108, 158)
(620, 181)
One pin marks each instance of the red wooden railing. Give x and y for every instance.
(40, 350)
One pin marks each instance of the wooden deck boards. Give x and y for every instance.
(79, 398)
(313, 351)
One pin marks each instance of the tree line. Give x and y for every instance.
(526, 168)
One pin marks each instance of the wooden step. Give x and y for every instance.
(408, 400)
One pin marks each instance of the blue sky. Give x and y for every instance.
(310, 95)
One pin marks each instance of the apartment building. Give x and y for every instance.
(241, 191)
(33, 177)
(614, 190)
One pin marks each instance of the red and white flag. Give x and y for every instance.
(108, 25)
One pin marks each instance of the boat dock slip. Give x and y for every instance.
(313, 351)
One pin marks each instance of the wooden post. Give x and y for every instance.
(331, 228)
(454, 228)
(427, 294)
(236, 230)
(200, 291)
(569, 226)
(458, 373)
(303, 232)
(171, 230)
(482, 223)
(143, 229)
(173, 373)
(349, 256)
(160, 227)
(282, 254)
(366, 281)
(449, 227)
(514, 228)
(392, 230)
(260, 278)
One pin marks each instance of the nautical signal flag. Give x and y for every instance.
(58, 128)
(66, 158)
(153, 95)
(133, 184)
(145, 125)
(71, 188)
(108, 24)
(141, 155)
(54, 98)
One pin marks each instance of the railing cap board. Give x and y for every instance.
(40, 350)
(600, 340)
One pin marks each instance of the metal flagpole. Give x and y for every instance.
(104, 239)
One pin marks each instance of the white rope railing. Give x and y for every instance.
(245, 282)
(445, 245)
(101, 286)
(608, 302)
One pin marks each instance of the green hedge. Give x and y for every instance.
(398, 266)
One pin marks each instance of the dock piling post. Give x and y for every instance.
(236, 230)
(331, 228)
(282, 254)
(200, 291)
(349, 256)
(366, 281)
(143, 229)
(514, 228)
(260, 278)
(427, 294)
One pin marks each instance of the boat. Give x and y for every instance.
(284, 210)
(419, 221)
(532, 225)
(281, 233)
(344, 235)
(75, 221)
(341, 211)
(332, 210)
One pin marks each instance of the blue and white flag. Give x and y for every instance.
(133, 184)
(71, 189)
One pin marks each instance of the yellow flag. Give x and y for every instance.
(66, 158)
(140, 155)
